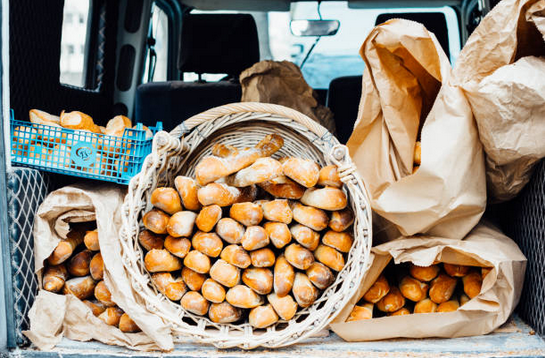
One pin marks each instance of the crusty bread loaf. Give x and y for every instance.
(425, 306)
(314, 218)
(116, 126)
(224, 150)
(208, 218)
(392, 302)
(230, 230)
(456, 270)
(279, 234)
(195, 303)
(150, 240)
(78, 120)
(413, 289)
(81, 287)
(255, 237)
(178, 246)
(187, 189)
(224, 313)
(208, 243)
(65, 248)
(213, 291)
(287, 189)
(236, 256)
(127, 325)
(303, 290)
(303, 171)
(91, 240)
(224, 195)
(341, 241)
(197, 261)
(341, 220)
(263, 257)
(79, 264)
(103, 295)
(263, 169)
(277, 210)
(284, 275)
(442, 288)
(181, 224)
(305, 236)
(243, 297)
(96, 307)
(111, 316)
(378, 290)
(258, 279)
(285, 306)
(320, 275)
(96, 267)
(262, 316)
(225, 273)
(329, 257)
(166, 199)
(173, 288)
(328, 198)
(192, 279)
(161, 260)
(248, 214)
(156, 221)
(54, 277)
(425, 274)
(329, 176)
(362, 312)
(449, 306)
(298, 256)
(472, 284)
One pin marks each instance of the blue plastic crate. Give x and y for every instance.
(80, 153)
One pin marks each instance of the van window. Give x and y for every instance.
(74, 42)
(157, 50)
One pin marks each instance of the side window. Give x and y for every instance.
(75, 33)
(156, 66)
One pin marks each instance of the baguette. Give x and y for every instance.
(156, 221)
(263, 257)
(225, 273)
(263, 169)
(96, 307)
(287, 189)
(329, 257)
(298, 256)
(161, 260)
(279, 234)
(149, 240)
(305, 236)
(303, 290)
(361, 312)
(400, 312)
(262, 316)
(243, 297)
(111, 316)
(378, 290)
(456, 270)
(303, 171)
(79, 264)
(208, 218)
(91, 240)
(195, 303)
(230, 230)
(236, 256)
(285, 306)
(341, 220)
(78, 120)
(54, 277)
(213, 291)
(341, 241)
(192, 279)
(425, 306)
(277, 210)
(181, 224)
(116, 126)
(103, 295)
(127, 325)
(255, 237)
(197, 261)
(172, 288)
(314, 218)
(224, 150)
(187, 189)
(224, 313)
(96, 267)
(166, 199)
(425, 274)
(208, 243)
(258, 279)
(442, 288)
(178, 246)
(283, 277)
(248, 214)
(392, 302)
(413, 289)
(320, 275)
(448, 306)
(472, 284)
(328, 198)
(329, 176)
(81, 287)
(65, 248)
(224, 195)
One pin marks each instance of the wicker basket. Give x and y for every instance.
(243, 125)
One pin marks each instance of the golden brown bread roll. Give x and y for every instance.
(305, 236)
(116, 126)
(314, 218)
(78, 120)
(213, 291)
(96, 307)
(425, 274)
(181, 224)
(341, 220)
(303, 171)
(417, 153)
(279, 234)
(413, 289)
(287, 189)
(400, 312)
(65, 248)
(173, 288)
(208, 218)
(248, 214)
(456, 270)
(298, 256)
(328, 198)
(378, 290)
(329, 176)
(224, 313)
(79, 263)
(262, 316)
(285, 306)
(178, 246)
(96, 267)
(261, 170)
(392, 302)
(320, 275)
(277, 210)
(425, 306)
(449, 306)
(166, 199)
(230, 230)
(243, 297)
(161, 260)
(258, 279)
(236, 256)
(195, 303)
(42, 117)
(156, 221)
(81, 287)
(192, 279)
(472, 284)
(224, 195)
(54, 277)
(225, 273)
(329, 257)
(103, 295)
(361, 312)
(208, 243)
(91, 240)
(485, 271)
(149, 240)
(187, 189)
(303, 290)
(442, 288)
(263, 257)
(127, 325)
(342, 241)
(197, 261)
(255, 237)
(463, 299)
(111, 316)
(283, 276)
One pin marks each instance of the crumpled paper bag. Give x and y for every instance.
(53, 316)
(283, 83)
(501, 70)
(485, 246)
(407, 96)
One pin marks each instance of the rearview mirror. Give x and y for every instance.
(314, 27)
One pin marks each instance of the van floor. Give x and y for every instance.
(513, 339)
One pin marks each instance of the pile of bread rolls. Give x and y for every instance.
(402, 290)
(250, 238)
(76, 267)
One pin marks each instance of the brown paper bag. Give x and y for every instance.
(406, 87)
(283, 83)
(502, 76)
(485, 246)
(53, 316)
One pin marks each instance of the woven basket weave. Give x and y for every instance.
(244, 125)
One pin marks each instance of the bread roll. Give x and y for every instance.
(417, 153)
(156, 221)
(298, 256)
(248, 214)
(304, 171)
(208, 243)
(400, 312)
(283, 276)
(277, 210)
(96, 267)
(442, 288)
(279, 234)
(181, 224)
(91, 240)
(303, 290)
(472, 284)
(197, 261)
(224, 313)
(81, 287)
(329, 257)
(127, 325)
(178, 246)
(213, 291)
(208, 218)
(378, 290)
(255, 237)
(305, 236)
(456, 270)
(261, 170)
(236, 256)
(329, 176)
(195, 303)
(65, 248)
(413, 289)
(320, 275)
(464, 299)
(263, 257)
(258, 279)
(173, 288)
(78, 120)
(54, 277)
(224, 150)
(485, 271)
(425, 306)
(392, 302)
(243, 297)
(225, 273)
(230, 230)
(116, 126)
(166, 199)
(361, 312)
(187, 189)
(425, 274)
(342, 241)
(287, 190)
(96, 307)
(79, 263)
(149, 240)
(111, 316)
(262, 316)
(341, 220)
(285, 306)
(103, 295)
(314, 218)
(42, 117)
(224, 195)
(328, 198)
(192, 279)
(448, 306)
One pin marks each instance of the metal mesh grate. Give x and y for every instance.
(27, 189)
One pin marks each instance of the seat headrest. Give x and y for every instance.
(218, 43)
